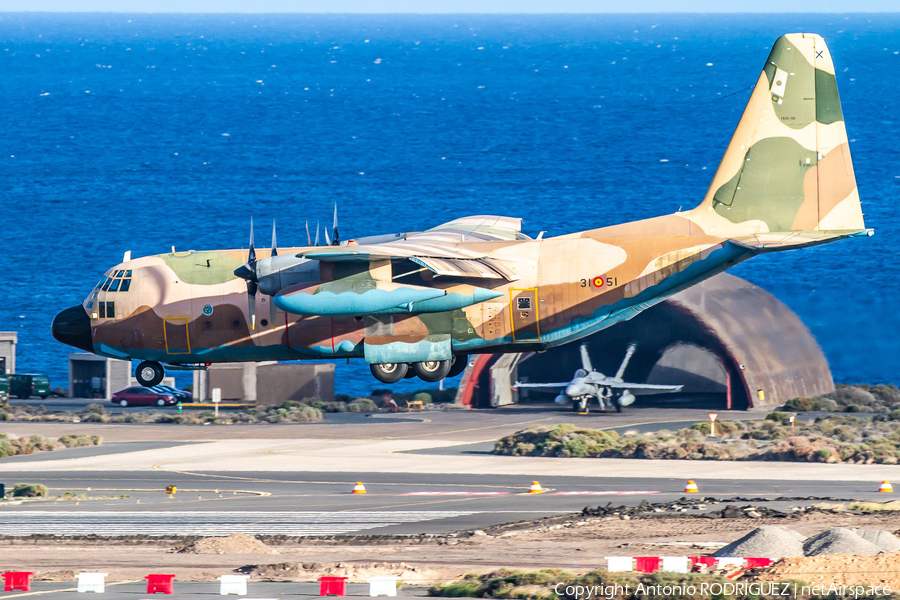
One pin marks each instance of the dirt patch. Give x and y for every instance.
(236, 543)
(356, 572)
(839, 569)
(64, 575)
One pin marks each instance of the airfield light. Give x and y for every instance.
(712, 423)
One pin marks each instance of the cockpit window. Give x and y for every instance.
(120, 281)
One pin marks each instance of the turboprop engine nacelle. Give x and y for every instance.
(280, 272)
(358, 297)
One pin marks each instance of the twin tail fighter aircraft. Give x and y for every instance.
(418, 304)
(590, 384)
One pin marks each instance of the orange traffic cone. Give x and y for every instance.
(691, 487)
(535, 488)
(886, 486)
(359, 488)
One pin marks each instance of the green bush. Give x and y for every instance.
(778, 416)
(362, 405)
(423, 397)
(29, 490)
(798, 405)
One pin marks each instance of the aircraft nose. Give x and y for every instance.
(73, 328)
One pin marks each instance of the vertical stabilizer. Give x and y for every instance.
(788, 165)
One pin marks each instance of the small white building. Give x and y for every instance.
(8, 340)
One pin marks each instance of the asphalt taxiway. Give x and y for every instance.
(428, 473)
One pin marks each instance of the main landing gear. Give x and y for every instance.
(429, 370)
(149, 373)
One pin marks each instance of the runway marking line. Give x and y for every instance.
(606, 493)
(454, 494)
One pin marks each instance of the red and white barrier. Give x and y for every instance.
(681, 564)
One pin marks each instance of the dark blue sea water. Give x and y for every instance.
(140, 132)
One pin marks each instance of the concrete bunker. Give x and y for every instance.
(729, 342)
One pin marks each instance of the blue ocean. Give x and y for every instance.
(143, 132)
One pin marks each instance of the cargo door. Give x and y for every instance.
(176, 335)
(524, 315)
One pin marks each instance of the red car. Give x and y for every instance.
(135, 396)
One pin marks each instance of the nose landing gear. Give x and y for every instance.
(149, 373)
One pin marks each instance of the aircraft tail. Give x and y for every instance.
(786, 178)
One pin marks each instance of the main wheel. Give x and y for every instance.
(580, 405)
(617, 403)
(432, 370)
(458, 365)
(389, 372)
(149, 373)
(160, 402)
(410, 372)
(123, 402)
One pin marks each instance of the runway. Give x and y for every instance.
(424, 476)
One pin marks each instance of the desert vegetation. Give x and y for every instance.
(831, 439)
(852, 399)
(13, 445)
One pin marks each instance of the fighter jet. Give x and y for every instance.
(610, 392)
(419, 303)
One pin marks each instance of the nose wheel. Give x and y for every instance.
(149, 373)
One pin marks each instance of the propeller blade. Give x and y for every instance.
(252, 287)
(274, 247)
(252, 257)
(327, 241)
(317, 233)
(308, 239)
(337, 238)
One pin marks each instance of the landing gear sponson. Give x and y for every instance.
(150, 373)
(430, 370)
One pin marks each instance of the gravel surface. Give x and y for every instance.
(770, 541)
(839, 540)
(885, 540)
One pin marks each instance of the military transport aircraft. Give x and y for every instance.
(424, 301)
(610, 392)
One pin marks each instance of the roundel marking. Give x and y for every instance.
(207, 310)
(597, 282)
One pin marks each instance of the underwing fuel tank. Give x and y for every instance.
(353, 298)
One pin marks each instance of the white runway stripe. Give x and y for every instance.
(590, 493)
(207, 523)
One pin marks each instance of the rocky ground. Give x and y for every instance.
(577, 543)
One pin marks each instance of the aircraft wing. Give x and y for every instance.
(638, 388)
(541, 385)
(437, 249)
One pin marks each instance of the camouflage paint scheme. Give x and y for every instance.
(478, 285)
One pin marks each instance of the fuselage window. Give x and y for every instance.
(126, 285)
(106, 284)
(115, 285)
